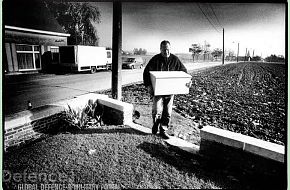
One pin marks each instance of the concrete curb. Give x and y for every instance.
(246, 143)
(27, 116)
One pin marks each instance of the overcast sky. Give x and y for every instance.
(259, 27)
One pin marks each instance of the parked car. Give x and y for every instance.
(132, 63)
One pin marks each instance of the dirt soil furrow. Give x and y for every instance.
(246, 97)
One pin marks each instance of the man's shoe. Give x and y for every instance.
(164, 135)
(155, 126)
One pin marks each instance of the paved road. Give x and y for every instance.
(42, 89)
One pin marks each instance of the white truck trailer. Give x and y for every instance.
(84, 58)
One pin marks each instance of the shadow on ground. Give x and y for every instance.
(108, 130)
(216, 170)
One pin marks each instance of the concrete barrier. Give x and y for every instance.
(243, 142)
(247, 155)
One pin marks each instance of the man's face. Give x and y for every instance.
(165, 50)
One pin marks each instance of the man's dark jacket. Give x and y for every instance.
(159, 63)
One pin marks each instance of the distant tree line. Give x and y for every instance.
(256, 58)
(139, 51)
(198, 50)
(217, 52)
(274, 58)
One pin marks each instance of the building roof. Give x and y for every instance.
(29, 14)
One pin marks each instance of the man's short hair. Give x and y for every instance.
(164, 42)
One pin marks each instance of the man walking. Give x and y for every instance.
(162, 105)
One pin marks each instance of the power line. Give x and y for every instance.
(215, 15)
(208, 18)
(210, 13)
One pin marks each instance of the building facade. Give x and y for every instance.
(25, 48)
(31, 37)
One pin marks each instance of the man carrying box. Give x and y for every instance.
(162, 104)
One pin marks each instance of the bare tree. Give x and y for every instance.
(195, 50)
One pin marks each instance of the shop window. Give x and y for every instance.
(28, 57)
(108, 54)
(37, 61)
(25, 61)
(54, 54)
(23, 48)
(36, 48)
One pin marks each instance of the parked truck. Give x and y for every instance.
(84, 58)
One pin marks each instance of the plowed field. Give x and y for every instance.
(248, 98)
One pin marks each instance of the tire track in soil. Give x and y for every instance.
(247, 75)
(241, 75)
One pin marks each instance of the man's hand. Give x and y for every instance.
(189, 84)
(150, 90)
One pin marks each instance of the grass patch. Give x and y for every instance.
(122, 156)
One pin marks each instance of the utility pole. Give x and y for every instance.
(246, 55)
(204, 50)
(238, 52)
(223, 61)
(117, 51)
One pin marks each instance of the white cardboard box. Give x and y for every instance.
(169, 82)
